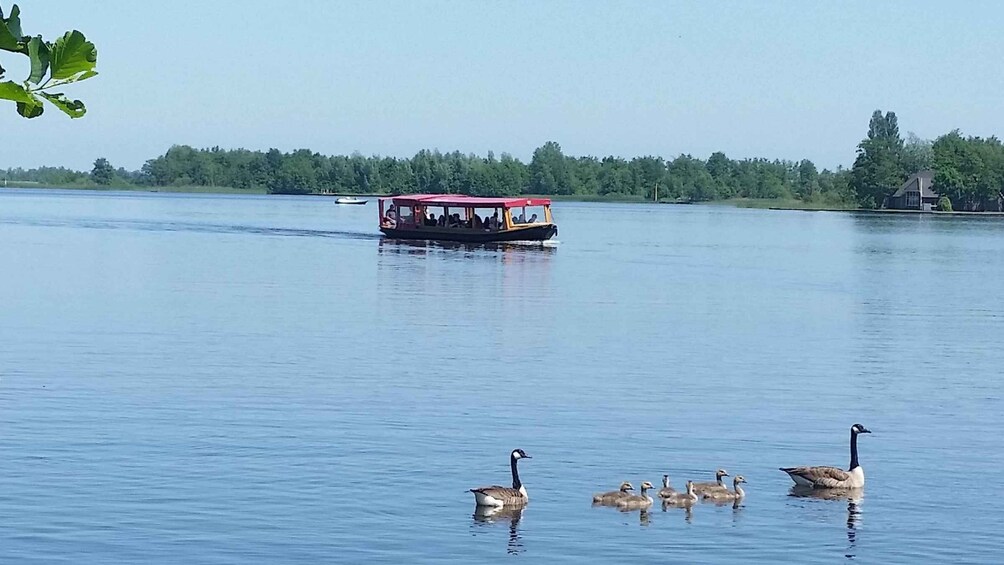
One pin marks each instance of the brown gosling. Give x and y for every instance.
(614, 495)
(737, 494)
(637, 501)
(718, 485)
(666, 491)
(683, 498)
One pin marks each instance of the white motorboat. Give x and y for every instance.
(349, 200)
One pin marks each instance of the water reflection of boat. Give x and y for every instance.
(488, 515)
(419, 246)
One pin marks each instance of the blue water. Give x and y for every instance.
(231, 379)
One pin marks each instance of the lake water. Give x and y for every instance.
(229, 379)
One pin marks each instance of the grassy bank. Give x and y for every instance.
(785, 204)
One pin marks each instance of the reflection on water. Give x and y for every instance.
(853, 498)
(421, 246)
(487, 516)
(687, 508)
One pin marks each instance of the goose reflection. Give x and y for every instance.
(487, 515)
(853, 498)
(688, 509)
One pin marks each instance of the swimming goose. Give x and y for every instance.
(614, 495)
(832, 477)
(682, 498)
(504, 496)
(637, 500)
(666, 491)
(736, 494)
(718, 485)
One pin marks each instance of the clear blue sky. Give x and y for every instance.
(753, 79)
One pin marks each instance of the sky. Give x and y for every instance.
(774, 79)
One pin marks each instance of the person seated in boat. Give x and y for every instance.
(390, 218)
(533, 219)
(442, 221)
(431, 219)
(455, 220)
(477, 223)
(521, 219)
(494, 224)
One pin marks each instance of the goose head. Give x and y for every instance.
(859, 429)
(738, 479)
(690, 488)
(646, 485)
(665, 481)
(721, 473)
(519, 454)
(626, 486)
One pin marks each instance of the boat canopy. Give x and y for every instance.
(464, 201)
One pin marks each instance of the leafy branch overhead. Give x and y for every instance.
(71, 58)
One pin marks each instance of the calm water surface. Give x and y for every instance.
(225, 379)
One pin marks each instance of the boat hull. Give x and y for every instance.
(541, 232)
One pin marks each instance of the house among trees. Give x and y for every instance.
(917, 193)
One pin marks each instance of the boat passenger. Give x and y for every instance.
(431, 220)
(533, 219)
(478, 224)
(390, 218)
(442, 221)
(521, 219)
(494, 224)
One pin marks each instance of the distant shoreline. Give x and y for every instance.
(761, 204)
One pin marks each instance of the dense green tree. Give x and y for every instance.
(878, 169)
(969, 171)
(917, 154)
(103, 172)
(549, 172)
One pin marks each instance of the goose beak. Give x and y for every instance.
(865, 431)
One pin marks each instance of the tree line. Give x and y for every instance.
(969, 171)
(549, 172)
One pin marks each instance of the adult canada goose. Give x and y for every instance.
(682, 498)
(614, 495)
(832, 477)
(504, 496)
(718, 485)
(666, 491)
(735, 494)
(635, 501)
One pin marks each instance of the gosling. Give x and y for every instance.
(636, 501)
(613, 496)
(682, 498)
(720, 496)
(666, 491)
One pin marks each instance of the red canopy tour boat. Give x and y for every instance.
(472, 219)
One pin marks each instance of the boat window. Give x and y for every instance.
(405, 215)
(488, 219)
(528, 215)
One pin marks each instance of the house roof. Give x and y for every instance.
(925, 180)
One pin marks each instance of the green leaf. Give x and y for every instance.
(39, 53)
(31, 109)
(27, 104)
(72, 57)
(11, 90)
(72, 108)
(10, 32)
(14, 22)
